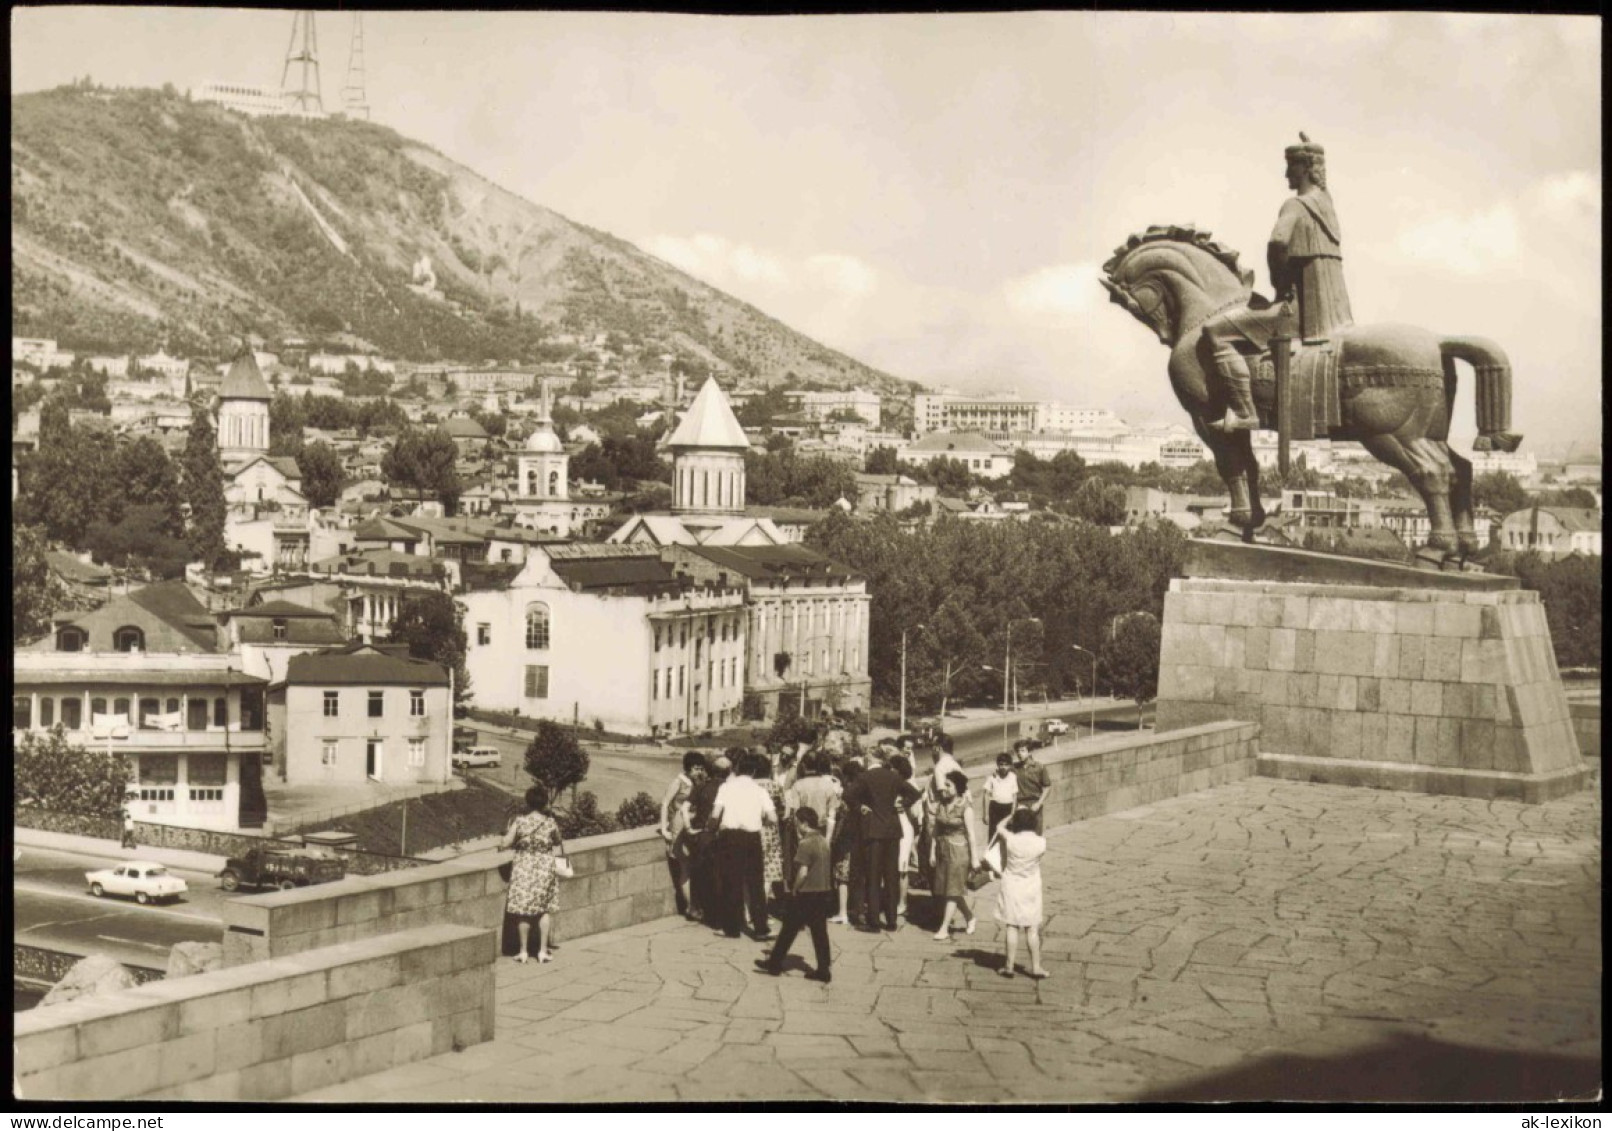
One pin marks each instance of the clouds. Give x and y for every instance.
(1054, 293)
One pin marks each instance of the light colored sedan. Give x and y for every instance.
(146, 882)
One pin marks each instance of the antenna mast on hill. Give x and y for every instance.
(309, 99)
(354, 101)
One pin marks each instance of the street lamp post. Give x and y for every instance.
(903, 724)
(1007, 674)
(1093, 701)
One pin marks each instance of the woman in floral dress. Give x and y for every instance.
(534, 886)
(952, 852)
(772, 845)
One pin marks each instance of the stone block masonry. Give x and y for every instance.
(1095, 777)
(1437, 690)
(621, 879)
(270, 1029)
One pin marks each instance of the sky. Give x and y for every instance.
(934, 194)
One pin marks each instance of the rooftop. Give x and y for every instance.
(955, 442)
(363, 664)
(775, 562)
(244, 381)
(709, 422)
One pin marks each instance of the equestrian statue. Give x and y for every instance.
(1299, 364)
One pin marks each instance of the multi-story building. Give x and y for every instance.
(42, 353)
(821, 404)
(607, 633)
(362, 713)
(982, 457)
(1552, 531)
(808, 623)
(1055, 417)
(150, 675)
(950, 412)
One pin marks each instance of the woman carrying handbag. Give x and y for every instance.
(534, 881)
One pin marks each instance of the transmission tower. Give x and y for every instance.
(354, 101)
(308, 98)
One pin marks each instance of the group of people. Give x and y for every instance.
(816, 839)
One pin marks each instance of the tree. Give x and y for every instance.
(149, 479)
(882, 461)
(287, 418)
(1578, 498)
(1099, 503)
(556, 758)
(51, 773)
(1130, 660)
(68, 485)
(1502, 491)
(1570, 590)
(425, 463)
(433, 626)
(203, 486)
(36, 594)
(141, 540)
(322, 476)
(585, 818)
(950, 475)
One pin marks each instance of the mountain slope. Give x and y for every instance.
(139, 217)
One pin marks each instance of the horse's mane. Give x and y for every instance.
(1174, 233)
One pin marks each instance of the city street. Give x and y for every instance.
(52, 908)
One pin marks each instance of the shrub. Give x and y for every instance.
(638, 811)
(51, 773)
(584, 818)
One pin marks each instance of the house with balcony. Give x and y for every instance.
(362, 713)
(148, 675)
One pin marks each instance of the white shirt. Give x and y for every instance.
(945, 766)
(1002, 788)
(741, 803)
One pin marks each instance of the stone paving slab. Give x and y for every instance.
(1200, 947)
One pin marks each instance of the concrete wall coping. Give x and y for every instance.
(1402, 594)
(1108, 743)
(155, 995)
(250, 910)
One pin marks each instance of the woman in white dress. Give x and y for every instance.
(1018, 904)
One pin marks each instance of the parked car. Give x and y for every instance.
(283, 869)
(478, 756)
(1056, 726)
(144, 881)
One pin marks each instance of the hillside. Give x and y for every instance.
(140, 218)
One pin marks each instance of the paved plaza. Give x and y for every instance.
(1263, 939)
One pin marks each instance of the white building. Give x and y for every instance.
(254, 101)
(607, 633)
(1055, 417)
(41, 353)
(983, 458)
(951, 412)
(1552, 531)
(823, 403)
(243, 413)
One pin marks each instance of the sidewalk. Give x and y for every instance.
(111, 850)
(1262, 940)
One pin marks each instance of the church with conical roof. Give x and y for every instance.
(243, 413)
(708, 505)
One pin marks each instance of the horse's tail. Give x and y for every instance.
(1493, 371)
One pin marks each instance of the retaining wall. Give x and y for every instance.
(41, 964)
(1121, 771)
(621, 879)
(268, 1030)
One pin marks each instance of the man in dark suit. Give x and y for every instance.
(880, 795)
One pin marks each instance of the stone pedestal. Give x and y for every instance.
(1448, 690)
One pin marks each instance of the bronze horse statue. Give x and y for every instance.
(1395, 384)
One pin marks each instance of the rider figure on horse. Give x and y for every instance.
(1306, 265)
